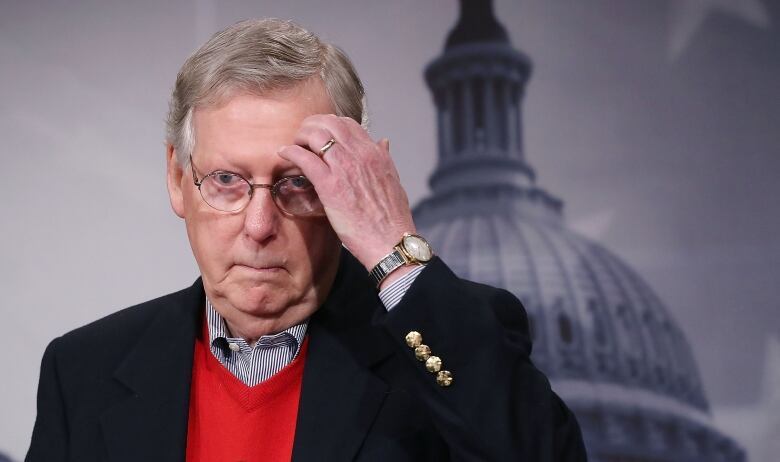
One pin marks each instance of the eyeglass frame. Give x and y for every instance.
(252, 187)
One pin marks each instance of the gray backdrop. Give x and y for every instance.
(656, 121)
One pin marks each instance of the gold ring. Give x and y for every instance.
(327, 146)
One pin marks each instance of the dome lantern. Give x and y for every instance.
(477, 85)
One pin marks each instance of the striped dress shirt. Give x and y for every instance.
(271, 353)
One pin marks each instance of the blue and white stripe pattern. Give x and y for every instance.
(253, 364)
(393, 293)
(271, 353)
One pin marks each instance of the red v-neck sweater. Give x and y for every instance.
(230, 421)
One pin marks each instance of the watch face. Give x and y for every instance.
(417, 248)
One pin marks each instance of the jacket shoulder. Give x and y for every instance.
(114, 332)
(498, 303)
(509, 309)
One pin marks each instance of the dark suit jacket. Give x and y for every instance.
(118, 389)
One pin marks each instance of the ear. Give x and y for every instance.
(175, 176)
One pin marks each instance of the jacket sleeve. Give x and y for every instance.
(499, 407)
(50, 434)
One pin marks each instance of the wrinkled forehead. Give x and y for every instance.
(247, 130)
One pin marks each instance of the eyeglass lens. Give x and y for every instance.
(229, 192)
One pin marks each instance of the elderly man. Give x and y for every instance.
(289, 346)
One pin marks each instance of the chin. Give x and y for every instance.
(261, 301)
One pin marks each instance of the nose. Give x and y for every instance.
(261, 221)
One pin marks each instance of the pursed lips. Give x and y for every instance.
(264, 267)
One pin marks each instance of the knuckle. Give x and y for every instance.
(349, 122)
(330, 120)
(310, 121)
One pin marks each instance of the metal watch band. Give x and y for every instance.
(386, 266)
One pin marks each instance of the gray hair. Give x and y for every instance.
(257, 56)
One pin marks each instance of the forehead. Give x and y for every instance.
(245, 128)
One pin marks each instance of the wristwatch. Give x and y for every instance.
(412, 250)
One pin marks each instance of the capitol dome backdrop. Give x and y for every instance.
(619, 174)
(610, 346)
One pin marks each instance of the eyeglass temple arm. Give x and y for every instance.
(194, 177)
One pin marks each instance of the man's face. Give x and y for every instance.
(262, 270)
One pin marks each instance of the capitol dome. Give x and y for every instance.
(601, 334)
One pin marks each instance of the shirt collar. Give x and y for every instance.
(219, 335)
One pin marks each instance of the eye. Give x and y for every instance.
(299, 182)
(294, 185)
(295, 195)
(226, 179)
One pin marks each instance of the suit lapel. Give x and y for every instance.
(340, 396)
(151, 424)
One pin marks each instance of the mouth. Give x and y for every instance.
(261, 268)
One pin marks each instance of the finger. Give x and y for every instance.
(352, 125)
(331, 122)
(310, 163)
(344, 130)
(313, 137)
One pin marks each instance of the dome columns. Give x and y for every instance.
(477, 89)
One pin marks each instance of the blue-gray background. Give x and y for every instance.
(655, 121)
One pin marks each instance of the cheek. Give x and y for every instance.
(320, 244)
(211, 236)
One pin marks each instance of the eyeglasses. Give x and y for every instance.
(230, 192)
